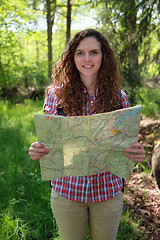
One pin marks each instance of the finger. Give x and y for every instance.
(36, 153)
(39, 150)
(37, 145)
(136, 145)
(137, 160)
(135, 151)
(135, 157)
(36, 156)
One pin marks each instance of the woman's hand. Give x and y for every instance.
(37, 150)
(136, 152)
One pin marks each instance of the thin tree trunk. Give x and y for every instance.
(35, 24)
(68, 21)
(132, 46)
(37, 49)
(50, 22)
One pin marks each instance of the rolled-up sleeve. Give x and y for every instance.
(124, 100)
(50, 103)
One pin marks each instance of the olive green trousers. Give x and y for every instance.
(73, 218)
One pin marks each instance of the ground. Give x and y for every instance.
(143, 198)
(141, 192)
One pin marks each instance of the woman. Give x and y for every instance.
(86, 81)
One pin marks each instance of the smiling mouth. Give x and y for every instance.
(88, 66)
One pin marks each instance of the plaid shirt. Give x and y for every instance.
(95, 188)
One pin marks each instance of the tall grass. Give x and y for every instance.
(25, 212)
(24, 202)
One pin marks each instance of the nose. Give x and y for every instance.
(87, 57)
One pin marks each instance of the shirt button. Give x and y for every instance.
(89, 181)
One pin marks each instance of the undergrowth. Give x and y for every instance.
(25, 212)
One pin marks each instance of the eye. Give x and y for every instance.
(94, 52)
(79, 53)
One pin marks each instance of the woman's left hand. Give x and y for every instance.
(136, 152)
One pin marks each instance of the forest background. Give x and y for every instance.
(33, 35)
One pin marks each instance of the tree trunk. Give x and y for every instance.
(50, 22)
(68, 21)
(37, 50)
(156, 163)
(132, 47)
(35, 24)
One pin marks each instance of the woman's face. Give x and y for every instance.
(88, 58)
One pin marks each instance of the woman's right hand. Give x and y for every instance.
(37, 150)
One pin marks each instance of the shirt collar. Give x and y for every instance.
(84, 91)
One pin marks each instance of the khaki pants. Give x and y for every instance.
(73, 217)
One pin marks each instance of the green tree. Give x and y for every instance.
(128, 24)
(12, 19)
(18, 65)
(61, 10)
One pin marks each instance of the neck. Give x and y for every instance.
(90, 87)
(89, 83)
(91, 91)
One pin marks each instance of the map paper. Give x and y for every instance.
(88, 145)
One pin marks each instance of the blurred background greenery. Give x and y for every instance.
(33, 35)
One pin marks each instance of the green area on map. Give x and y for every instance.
(88, 145)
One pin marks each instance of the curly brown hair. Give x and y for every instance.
(66, 77)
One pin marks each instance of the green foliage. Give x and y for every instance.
(23, 57)
(149, 99)
(25, 208)
(25, 200)
(132, 27)
(12, 227)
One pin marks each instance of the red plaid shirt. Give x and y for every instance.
(95, 188)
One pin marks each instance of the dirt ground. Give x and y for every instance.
(143, 198)
(142, 193)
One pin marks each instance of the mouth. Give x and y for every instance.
(87, 66)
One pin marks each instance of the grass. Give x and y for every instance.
(25, 208)
(149, 99)
(131, 226)
(25, 212)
